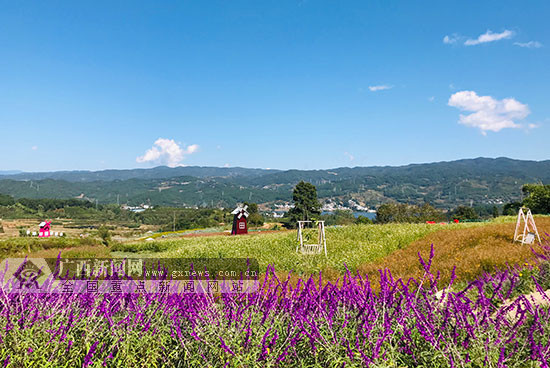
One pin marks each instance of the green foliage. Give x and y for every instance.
(339, 217)
(169, 218)
(538, 198)
(363, 220)
(104, 234)
(306, 204)
(6, 200)
(511, 209)
(47, 204)
(147, 246)
(252, 207)
(400, 212)
(24, 245)
(255, 218)
(464, 213)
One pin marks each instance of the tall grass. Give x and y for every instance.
(348, 246)
(473, 251)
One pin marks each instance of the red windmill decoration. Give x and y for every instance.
(239, 221)
(44, 231)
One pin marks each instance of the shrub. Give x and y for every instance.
(104, 234)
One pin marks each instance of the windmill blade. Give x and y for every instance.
(239, 215)
(245, 213)
(245, 207)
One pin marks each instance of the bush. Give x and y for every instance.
(256, 219)
(339, 217)
(104, 234)
(363, 220)
(400, 212)
(464, 213)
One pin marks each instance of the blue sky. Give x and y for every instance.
(271, 84)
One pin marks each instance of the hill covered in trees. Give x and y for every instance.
(443, 184)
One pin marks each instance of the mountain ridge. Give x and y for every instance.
(445, 184)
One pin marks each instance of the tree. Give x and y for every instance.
(363, 220)
(339, 217)
(306, 204)
(464, 213)
(538, 198)
(6, 200)
(511, 209)
(401, 212)
(255, 218)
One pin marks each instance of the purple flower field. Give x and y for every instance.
(488, 323)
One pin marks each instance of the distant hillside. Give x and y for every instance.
(9, 172)
(444, 184)
(160, 172)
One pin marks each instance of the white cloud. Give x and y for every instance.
(451, 39)
(488, 113)
(431, 99)
(349, 155)
(34, 148)
(167, 152)
(489, 37)
(379, 87)
(529, 45)
(226, 165)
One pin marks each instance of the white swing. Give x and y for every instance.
(312, 248)
(529, 229)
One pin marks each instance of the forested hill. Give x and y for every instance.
(160, 172)
(444, 184)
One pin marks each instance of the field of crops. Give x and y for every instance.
(350, 245)
(451, 314)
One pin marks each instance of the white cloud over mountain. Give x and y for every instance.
(167, 152)
(488, 113)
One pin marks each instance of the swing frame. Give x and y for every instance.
(529, 229)
(312, 248)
